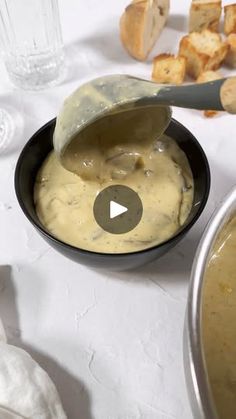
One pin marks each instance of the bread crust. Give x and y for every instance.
(131, 24)
(230, 59)
(192, 47)
(141, 25)
(205, 15)
(230, 19)
(169, 69)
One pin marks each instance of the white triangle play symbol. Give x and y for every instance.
(116, 209)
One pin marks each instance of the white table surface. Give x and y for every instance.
(112, 342)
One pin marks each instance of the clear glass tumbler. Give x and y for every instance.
(6, 128)
(32, 42)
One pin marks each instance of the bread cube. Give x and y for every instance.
(230, 59)
(205, 14)
(203, 51)
(205, 77)
(169, 69)
(230, 19)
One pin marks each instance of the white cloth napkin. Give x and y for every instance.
(26, 391)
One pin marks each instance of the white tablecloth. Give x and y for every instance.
(111, 342)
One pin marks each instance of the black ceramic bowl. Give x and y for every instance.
(32, 157)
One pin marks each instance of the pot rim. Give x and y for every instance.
(197, 365)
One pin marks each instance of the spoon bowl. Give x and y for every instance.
(102, 97)
(116, 93)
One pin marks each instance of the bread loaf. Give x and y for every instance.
(141, 25)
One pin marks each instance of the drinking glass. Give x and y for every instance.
(32, 42)
(6, 128)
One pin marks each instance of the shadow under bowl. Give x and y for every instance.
(37, 149)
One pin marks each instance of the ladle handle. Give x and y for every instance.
(219, 95)
(228, 95)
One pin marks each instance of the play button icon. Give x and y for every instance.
(118, 209)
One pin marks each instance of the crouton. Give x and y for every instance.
(230, 59)
(203, 51)
(230, 19)
(205, 77)
(169, 69)
(141, 25)
(209, 75)
(205, 14)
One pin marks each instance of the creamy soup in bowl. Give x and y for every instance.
(121, 150)
(36, 152)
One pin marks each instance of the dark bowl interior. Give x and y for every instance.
(32, 157)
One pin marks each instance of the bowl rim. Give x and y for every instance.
(198, 367)
(38, 226)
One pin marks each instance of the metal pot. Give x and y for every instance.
(194, 362)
